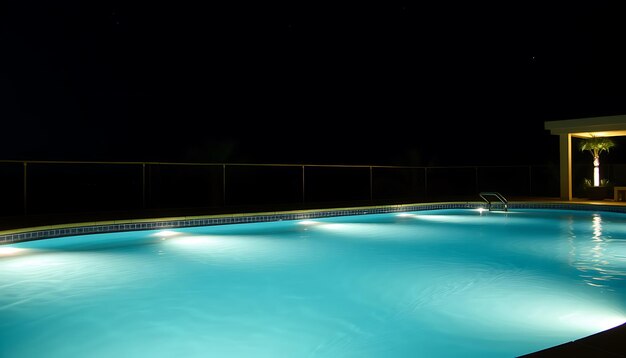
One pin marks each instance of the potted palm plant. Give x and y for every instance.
(596, 146)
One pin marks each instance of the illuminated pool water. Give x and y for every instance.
(443, 283)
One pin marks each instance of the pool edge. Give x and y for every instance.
(108, 226)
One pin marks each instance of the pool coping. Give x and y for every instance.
(108, 226)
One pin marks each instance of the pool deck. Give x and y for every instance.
(609, 343)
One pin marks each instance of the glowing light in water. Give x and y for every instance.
(192, 240)
(163, 234)
(597, 320)
(308, 222)
(328, 225)
(339, 227)
(10, 251)
(456, 219)
(570, 313)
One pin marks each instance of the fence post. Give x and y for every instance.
(425, 182)
(530, 180)
(143, 185)
(303, 193)
(224, 184)
(371, 192)
(25, 188)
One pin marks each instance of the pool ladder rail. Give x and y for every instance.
(497, 195)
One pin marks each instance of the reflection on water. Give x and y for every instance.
(591, 253)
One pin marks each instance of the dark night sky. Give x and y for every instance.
(300, 82)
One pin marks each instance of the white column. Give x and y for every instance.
(596, 171)
(565, 148)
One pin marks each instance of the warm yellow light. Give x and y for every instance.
(599, 134)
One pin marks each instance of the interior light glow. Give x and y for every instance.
(406, 215)
(481, 210)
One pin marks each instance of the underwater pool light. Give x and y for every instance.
(167, 233)
(10, 251)
(308, 222)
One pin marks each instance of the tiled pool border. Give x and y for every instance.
(53, 231)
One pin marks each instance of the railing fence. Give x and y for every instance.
(40, 187)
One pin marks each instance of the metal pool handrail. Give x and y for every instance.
(498, 196)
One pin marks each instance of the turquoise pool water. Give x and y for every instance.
(442, 283)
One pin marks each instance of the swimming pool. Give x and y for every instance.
(437, 283)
